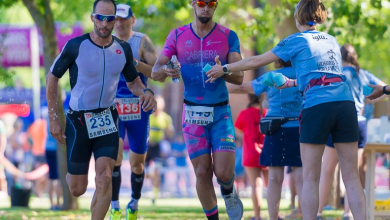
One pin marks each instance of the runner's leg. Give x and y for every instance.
(103, 180)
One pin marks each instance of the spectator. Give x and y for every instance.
(248, 122)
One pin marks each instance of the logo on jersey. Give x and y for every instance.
(329, 65)
(88, 115)
(319, 37)
(208, 43)
(189, 43)
(282, 43)
(118, 51)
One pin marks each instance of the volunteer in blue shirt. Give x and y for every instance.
(328, 106)
(281, 148)
(356, 78)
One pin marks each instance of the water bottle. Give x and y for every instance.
(172, 64)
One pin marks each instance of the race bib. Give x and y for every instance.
(129, 109)
(200, 115)
(100, 124)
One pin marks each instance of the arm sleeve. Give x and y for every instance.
(257, 85)
(287, 48)
(129, 71)
(169, 48)
(234, 43)
(371, 78)
(65, 59)
(240, 121)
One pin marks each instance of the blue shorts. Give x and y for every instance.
(362, 135)
(217, 136)
(51, 158)
(137, 133)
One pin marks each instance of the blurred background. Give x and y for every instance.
(33, 32)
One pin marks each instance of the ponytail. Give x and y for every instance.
(349, 55)
(310, 12)
(256, 100)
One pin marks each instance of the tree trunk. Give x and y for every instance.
(45, 22)
(287, 26)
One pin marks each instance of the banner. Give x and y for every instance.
(15, 48)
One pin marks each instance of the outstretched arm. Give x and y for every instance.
(244, 88)
(236, 77)
(248, 63)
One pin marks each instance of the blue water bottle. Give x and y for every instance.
(172, 64)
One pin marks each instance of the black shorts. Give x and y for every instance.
(362, 135)
(153, 153)
(80, 147)
(338, 119)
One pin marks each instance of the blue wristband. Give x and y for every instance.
(147, 89)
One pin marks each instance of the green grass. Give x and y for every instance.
(172, 209)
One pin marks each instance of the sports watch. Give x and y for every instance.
(225, 70)
(384, 90)
(135, 63)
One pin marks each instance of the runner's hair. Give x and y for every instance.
(348, 54)
(97, 1)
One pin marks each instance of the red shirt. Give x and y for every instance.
(248, 122)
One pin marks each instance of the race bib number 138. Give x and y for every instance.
(100, 124)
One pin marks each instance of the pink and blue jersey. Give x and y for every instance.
(194, 53)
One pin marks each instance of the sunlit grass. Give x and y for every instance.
(172, 209)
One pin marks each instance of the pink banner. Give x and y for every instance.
(15, 44)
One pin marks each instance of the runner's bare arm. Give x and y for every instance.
(160, 71)
(51, 95)
(147, 53)
(236, 77)
(244, 88)
(249, 63)
(146, 99)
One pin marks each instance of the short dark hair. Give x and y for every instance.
(97, 1)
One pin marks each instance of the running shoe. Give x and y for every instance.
(131, 214)
(234, 207)
(116, 214)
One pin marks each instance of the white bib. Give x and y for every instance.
(128, 109)
(100, 124)
(200, 115)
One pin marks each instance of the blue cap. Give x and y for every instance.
(124, 11)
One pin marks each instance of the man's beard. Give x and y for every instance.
(203, 20)
(97, 31)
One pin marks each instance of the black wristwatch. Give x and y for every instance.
(135, 63)
(384, 90)
(147, 89)
(225, 70)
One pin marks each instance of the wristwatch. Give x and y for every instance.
(147, 89)
(384, 90)
(225, 70)
(135, 63)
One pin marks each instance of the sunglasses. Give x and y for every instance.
(202, 4)
(100, 17)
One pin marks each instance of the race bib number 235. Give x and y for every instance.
(100, 124)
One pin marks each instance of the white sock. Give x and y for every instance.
(115, 204)
(134, 204)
